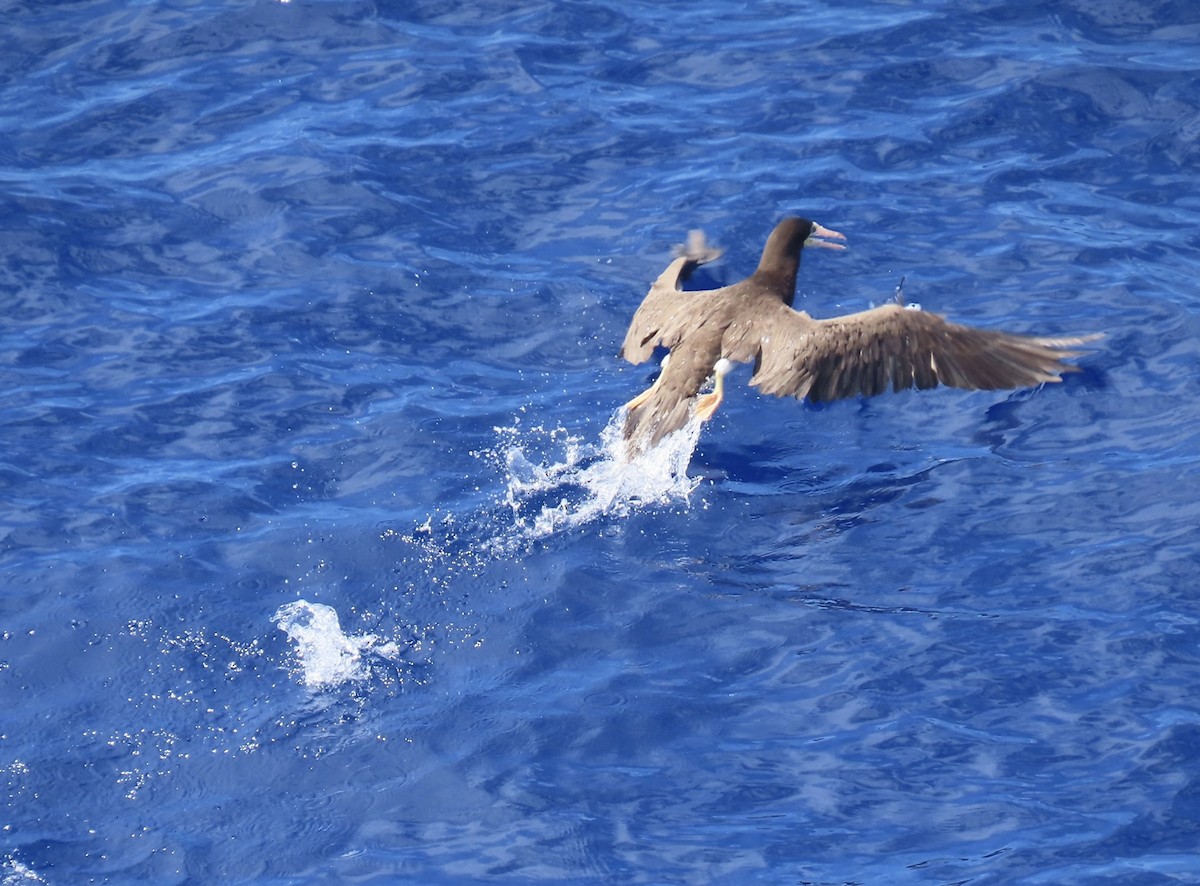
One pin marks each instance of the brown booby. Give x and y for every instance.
(794, 355)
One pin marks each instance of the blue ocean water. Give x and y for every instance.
(317, 563)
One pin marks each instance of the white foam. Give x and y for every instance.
(14, 873)
(325, 655)
(555, 481)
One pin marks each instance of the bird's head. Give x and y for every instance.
(821, 236)
(793, 234)
(781, 256)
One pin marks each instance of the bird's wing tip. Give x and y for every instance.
(697, 250)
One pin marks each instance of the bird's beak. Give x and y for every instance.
(819, 231)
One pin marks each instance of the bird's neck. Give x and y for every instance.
(780, 279)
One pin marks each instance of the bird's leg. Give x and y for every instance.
(707, 404)
(645, 395)
(640, 398)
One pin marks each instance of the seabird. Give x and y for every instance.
(794, 355)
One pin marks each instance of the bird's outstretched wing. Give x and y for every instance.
(894, 348)
(665, 316)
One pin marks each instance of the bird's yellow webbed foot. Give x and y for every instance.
(706, 404)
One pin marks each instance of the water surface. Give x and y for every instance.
(318, 565)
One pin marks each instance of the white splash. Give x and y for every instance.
(325, 655)
(556, 481)
(14, 873)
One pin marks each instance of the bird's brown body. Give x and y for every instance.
(866, 353)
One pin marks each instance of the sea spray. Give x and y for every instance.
(555, 481)
(325, 656)
(551, 482)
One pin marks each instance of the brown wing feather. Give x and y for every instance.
(668, 405)
(893, 348)
(667, 315)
